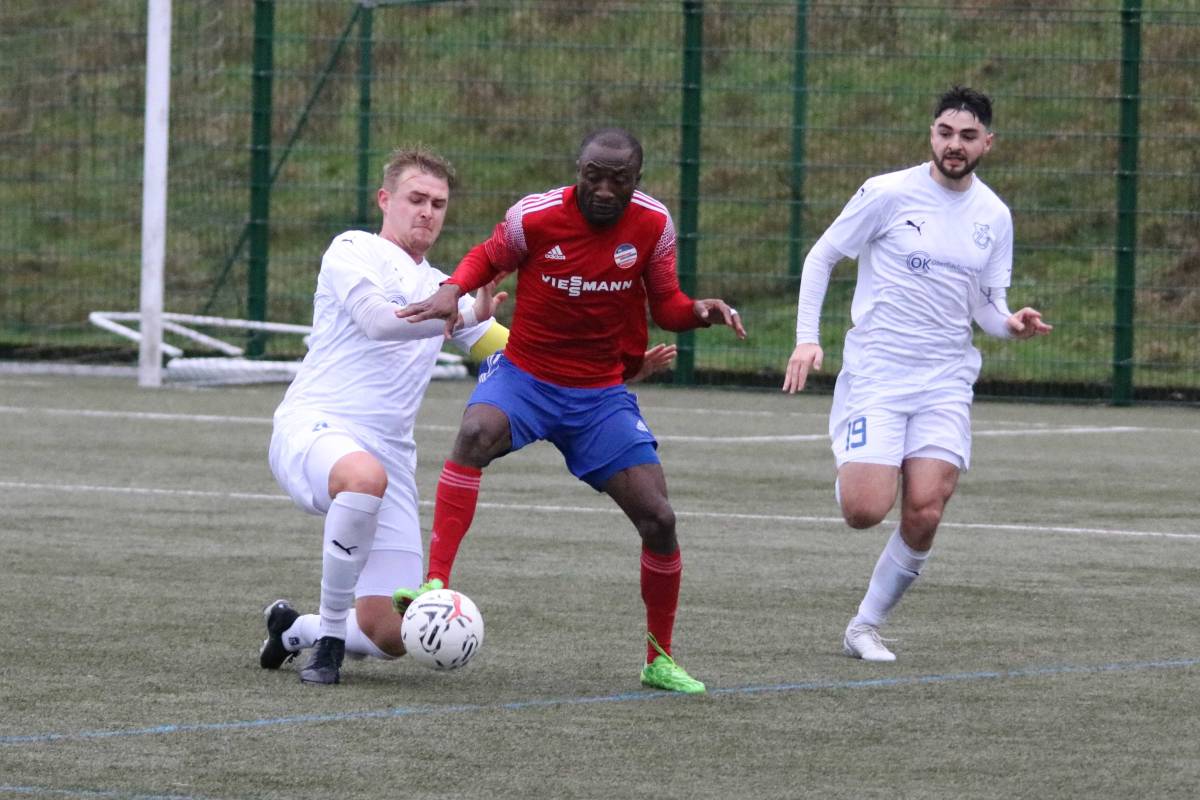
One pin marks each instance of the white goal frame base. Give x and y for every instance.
(232, 367)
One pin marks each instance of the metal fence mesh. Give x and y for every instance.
(799, 103)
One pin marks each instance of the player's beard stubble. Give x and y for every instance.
(955, 173)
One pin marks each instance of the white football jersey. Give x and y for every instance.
(923, 253)
(372, 386)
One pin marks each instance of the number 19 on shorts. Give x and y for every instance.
(856, 433)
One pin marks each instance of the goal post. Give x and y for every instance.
(154, 189)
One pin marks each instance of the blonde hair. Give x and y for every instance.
(422, 158)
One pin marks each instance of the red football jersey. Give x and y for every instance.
(581, 290)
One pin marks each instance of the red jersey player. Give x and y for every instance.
(588, 258)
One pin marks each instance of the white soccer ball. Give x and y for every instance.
(442, 629)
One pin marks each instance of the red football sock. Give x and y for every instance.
(660, 592)
(453, 510)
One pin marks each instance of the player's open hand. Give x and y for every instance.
(804, 358)
(1027, 323)
(718, 312)
(487, 300)
(442, 304)
(657, 359)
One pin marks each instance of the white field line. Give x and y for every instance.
(821, 437)
(737, 412)
(155, 416)
(151, 416)
(556, 509)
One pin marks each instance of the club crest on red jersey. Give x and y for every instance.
(625, 256)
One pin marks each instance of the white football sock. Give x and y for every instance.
(898, 566)
(359, 644)
(304, 632)
(349, 532)
(307, 629)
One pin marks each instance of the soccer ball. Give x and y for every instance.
(442, 629)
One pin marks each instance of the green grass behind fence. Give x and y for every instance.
(507, 89)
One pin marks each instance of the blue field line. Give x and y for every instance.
(626, 697)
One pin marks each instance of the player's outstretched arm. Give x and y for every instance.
(713, 312)
(805, 357)
(442, 304)
(1027, 323)
(992, 314)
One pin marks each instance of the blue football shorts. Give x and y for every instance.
(598, 431)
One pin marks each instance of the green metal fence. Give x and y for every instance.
(759, 120)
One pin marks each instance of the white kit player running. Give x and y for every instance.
(934, 250)
(343, 444)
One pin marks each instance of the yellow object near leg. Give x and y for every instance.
(493, 340)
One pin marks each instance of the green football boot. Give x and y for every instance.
(664, 673)
(401, 598)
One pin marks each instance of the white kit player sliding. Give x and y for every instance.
(343, 444)
(934, 247)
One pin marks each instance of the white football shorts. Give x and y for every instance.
(304, 449)
(884, 423)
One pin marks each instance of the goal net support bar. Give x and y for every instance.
(231, 367)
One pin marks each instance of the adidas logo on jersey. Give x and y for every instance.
(555, 254)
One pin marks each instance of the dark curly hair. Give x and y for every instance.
(962, 98)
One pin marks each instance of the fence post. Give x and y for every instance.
(1127, 202)
(689, 175)
(285, 151)
(799, 112)
(260, 169)
(364, 115)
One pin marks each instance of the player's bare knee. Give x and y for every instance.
(373, 484)
(922, 520)
(657, 529)
(388, 645)
(369, 624)
(860, 515)
(361, 477)
(859, 520)
(382, 630)
(477, 442)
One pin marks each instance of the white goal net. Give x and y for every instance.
(186, 348)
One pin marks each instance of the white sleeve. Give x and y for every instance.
(998, 271)
(346, 265)
(470, 329)
(990, 311)
(376, 317)
(861, 219)
(814, 282)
